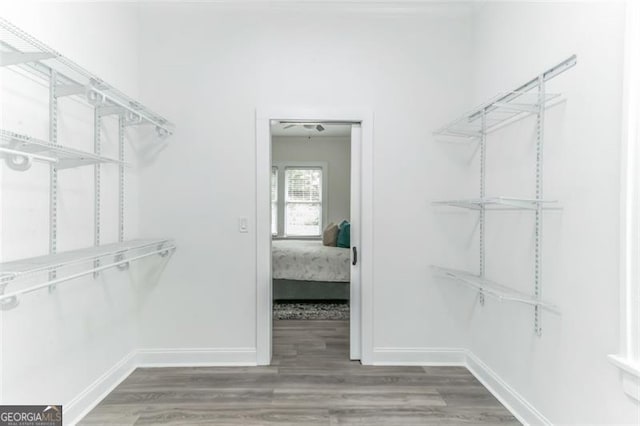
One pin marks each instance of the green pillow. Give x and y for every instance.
(344, 235)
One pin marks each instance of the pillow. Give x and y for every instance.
(330, 235)
(344, 236)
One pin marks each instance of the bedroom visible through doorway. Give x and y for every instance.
(311, 228)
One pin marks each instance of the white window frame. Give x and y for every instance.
(282, 166)
(628, 358)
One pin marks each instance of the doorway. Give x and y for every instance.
(359, 252)
(314, 236)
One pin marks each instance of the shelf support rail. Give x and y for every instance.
(508, 98)
(121, 182)
(539, 194)
(483, 164)
(53, 172)
(97, 130)
(10, 300)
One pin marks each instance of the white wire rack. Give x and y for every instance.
(497, 203)
(22, 50)
(19, 150)
(528, 99)
(501, 111)
(490, 288)
(26, 55)
(109, 255)
(506, 107)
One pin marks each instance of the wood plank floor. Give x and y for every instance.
(310, 382)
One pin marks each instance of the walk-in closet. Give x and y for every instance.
(318, 212)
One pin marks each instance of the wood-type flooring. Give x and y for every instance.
(310, 382)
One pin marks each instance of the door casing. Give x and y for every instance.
(264, 116)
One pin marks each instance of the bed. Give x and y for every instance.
(308, 270)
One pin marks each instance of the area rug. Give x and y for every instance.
(310, 311)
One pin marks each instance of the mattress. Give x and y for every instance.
(309, 260)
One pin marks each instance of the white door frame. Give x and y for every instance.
(355, 288)
(263, 219)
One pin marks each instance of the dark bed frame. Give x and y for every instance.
(310, 290)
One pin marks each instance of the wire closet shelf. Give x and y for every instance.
(22, 50)
(506, 108)
(491, 288)
(498, 203)
(19, 151)
(110, 256)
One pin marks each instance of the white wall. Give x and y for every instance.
(564, 374)
(55, 346)
(209, 67)
(336, 152)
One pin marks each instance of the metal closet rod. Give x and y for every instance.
(17, 293)
(118, 249)
(334, 122)
(28, 155)
(140, 113)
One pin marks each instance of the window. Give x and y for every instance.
(298, 199)
(303, 201)
(274, 201)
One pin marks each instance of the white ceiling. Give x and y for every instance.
(330, 130)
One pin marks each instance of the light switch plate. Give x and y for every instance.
(243, 225)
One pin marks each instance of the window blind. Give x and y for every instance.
(303, 201)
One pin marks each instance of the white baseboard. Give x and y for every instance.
(80, 406)
(418, 356)
(221, 357)
(512, 400)
(196, 357)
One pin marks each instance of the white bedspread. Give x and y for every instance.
(306, 260)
